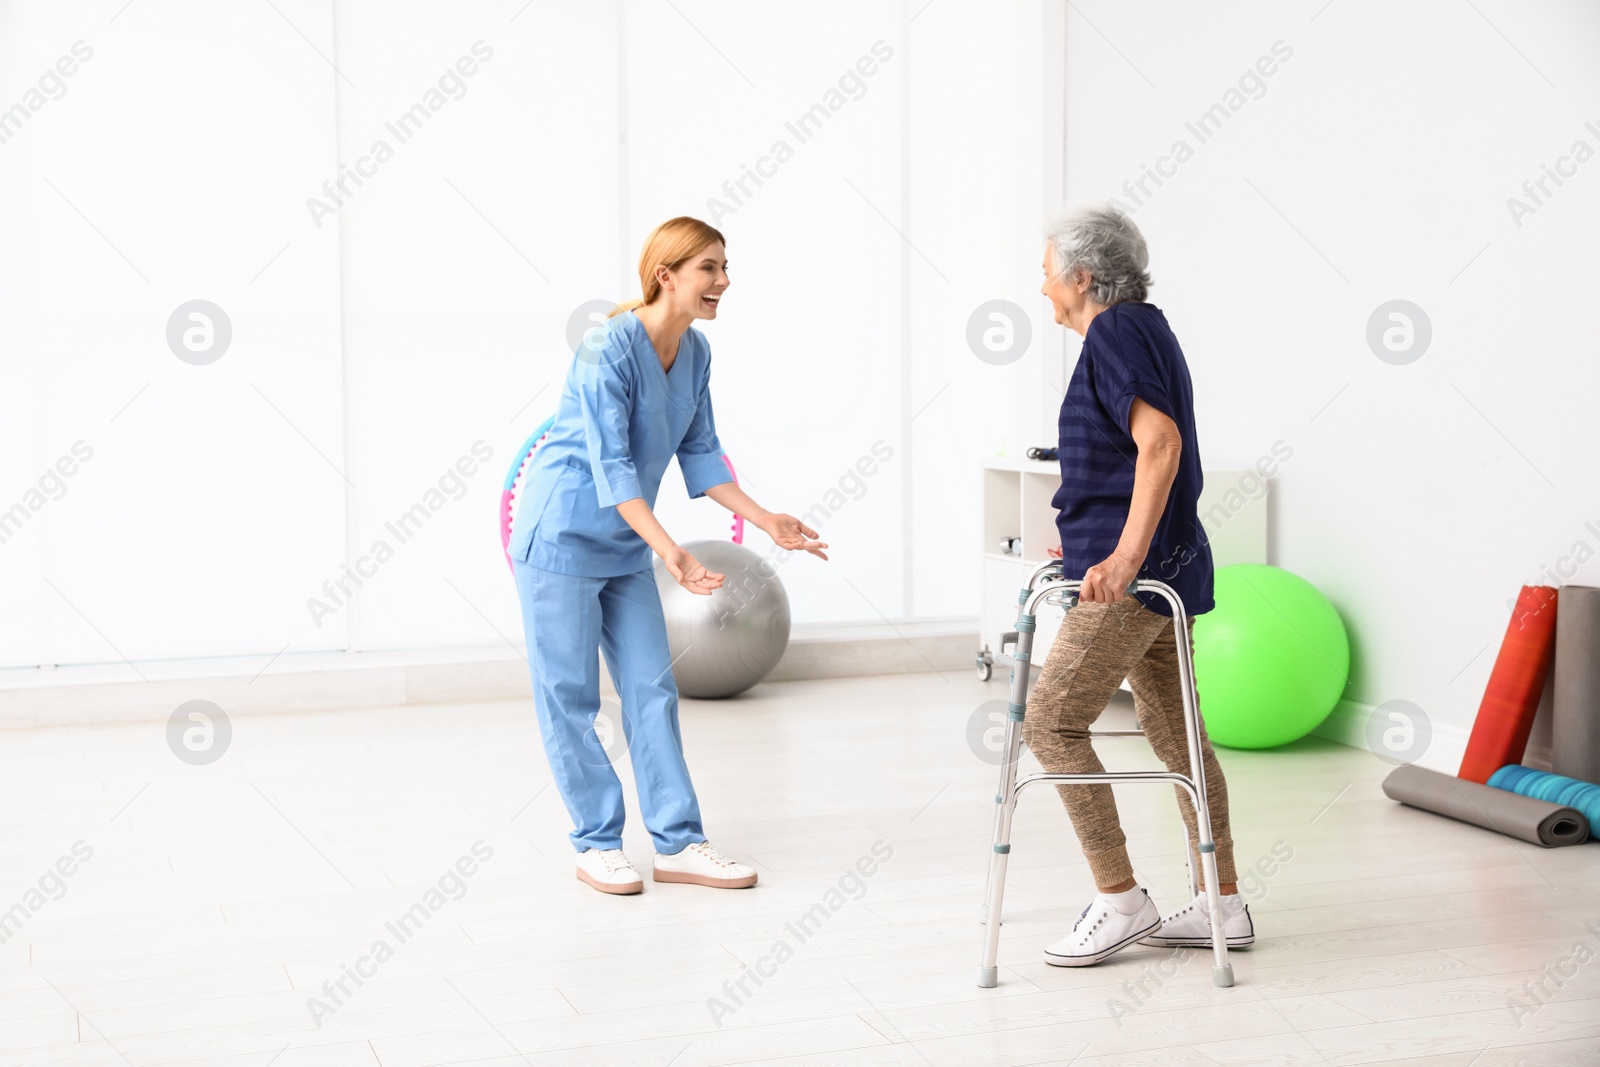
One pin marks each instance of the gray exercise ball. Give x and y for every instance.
(725, 643)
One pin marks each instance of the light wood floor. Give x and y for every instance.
(219, 899)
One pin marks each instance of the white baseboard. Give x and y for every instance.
(324, 681)
(321, 681)
(1348, 726)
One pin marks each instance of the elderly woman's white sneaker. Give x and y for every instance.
(1190, 925)
(702, 864)
(1102, 930)
(609, 871)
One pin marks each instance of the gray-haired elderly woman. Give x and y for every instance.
(1130, 483)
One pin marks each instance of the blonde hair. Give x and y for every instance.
(668, 246)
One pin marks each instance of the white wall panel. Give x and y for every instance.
(977, 220)
(807, 347)
(172, 169)
(465, 255)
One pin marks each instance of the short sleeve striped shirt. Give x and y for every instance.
(1130, 351)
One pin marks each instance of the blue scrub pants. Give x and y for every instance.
(565, 618)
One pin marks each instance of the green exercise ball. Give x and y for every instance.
(1270, 660)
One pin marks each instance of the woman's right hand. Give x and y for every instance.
(690, 572)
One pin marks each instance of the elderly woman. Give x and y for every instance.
(1130, 482)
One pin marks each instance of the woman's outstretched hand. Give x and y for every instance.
(789, 532)
(690, 572)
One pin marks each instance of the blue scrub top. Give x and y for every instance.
(621, 419)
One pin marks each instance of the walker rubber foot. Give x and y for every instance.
(989, 977)
(1222, 977)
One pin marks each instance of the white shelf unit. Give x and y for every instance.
(1016, 503)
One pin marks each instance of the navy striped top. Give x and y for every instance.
(1130, 351)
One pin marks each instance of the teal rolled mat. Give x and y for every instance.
(1553, 788)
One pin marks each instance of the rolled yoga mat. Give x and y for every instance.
(1505, 718)
(1575, 705)
(1551, 788)
(1538, 822)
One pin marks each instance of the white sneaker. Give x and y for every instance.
(1190, 925)
(609, 871)
(1101, 930)
(702, 864)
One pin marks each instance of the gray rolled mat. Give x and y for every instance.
(1575, 722)
(1538, 822)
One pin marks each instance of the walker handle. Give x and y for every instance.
(1077, 583)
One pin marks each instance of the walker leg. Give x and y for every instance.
(988, 969)
(999, 804)
(1221, 969)
(1005, 805)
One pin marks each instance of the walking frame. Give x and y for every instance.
(1046, 583)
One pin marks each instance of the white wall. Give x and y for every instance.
(462, 261)
(976, 180)
(169, 166)
(371, 353)
(1375, 164)
(383, 332)
(807, 349)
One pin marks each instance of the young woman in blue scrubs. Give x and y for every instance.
(581, 553)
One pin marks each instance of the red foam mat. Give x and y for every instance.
(1505, 718)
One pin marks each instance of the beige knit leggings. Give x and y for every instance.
(1097, 647)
